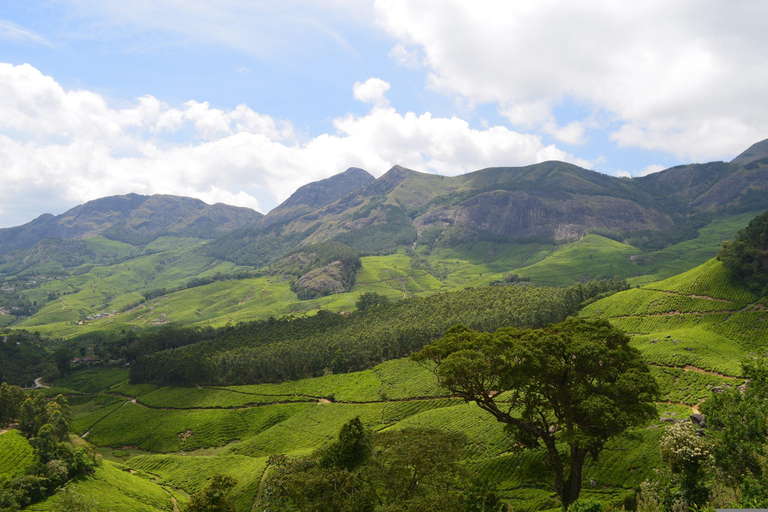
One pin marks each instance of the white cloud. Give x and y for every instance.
(373, 90)
(651, 169)
(12, 31)
(262, 28)
(682, 77)
(623, 174)
(71, 146)
(408, 58)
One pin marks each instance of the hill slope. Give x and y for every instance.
(132, 219)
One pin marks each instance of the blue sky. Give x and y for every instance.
(243, 101)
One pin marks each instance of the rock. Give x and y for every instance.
(653, 426)
(593, 483)
(655, 341)
(700, 432)
(717, 389)
(668, 336)
(698, 420)
(667, 419)
(689, 349)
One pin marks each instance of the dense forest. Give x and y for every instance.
(291, 348)
(747, 255)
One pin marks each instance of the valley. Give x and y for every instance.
(193, 340)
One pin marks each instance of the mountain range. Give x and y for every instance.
(552, 222)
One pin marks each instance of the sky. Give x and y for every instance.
(243, 101)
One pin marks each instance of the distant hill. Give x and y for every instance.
(756, 151)
(315, 195)
(552, 202)
(131, 218)
(150, 261)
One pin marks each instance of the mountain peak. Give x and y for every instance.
(317, 194)
(755, 152)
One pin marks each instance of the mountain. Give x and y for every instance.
(756, 151)
(131, 218)
(315, 195)
(553, 201)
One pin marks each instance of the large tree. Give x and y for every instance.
(569, 387)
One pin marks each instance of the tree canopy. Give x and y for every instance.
(577, 383)
(747, 256)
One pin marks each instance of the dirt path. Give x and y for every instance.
(677, 313)
(693, 296)
(691, 368)
(262, 486)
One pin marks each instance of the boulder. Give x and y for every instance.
(698, 420)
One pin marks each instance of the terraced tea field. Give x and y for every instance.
(701, 318)
(15, 453)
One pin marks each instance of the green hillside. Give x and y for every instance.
(702, 318)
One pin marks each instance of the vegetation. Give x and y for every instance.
(578, 383)
(409, 469)
(747, 256)
(289, 349)
(55, 460)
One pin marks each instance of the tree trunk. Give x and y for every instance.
(553, 457)
(573, 484)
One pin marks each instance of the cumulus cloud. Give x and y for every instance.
(373, 90)
(683, 77)
(64, 147)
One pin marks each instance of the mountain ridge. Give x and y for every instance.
(130, 218)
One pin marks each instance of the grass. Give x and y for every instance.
(702, 318)
(115, 487)
(683, 256)
(93, 381)
(592, 257)
(192, 473)
(166, 431)
(15, 454)
(183, 448)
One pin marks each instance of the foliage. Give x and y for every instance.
(72, 501)
(578, 382)
(23, 357)
(740, 418)
(11, 398)
(370, 300)
(747, 256)
(215, 497)
(292, 348)
(687, 455)
(410, 469)
(586, 506)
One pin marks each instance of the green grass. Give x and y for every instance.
(681, 257)
(116, 489)
(592, 257)
(95, 380)
(87, 414)
(688, 387)
(192, 473)
(702, 318)
(15, 453)
(166, 431)
(710, 279)
(191, 398)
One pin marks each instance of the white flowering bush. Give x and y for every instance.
(683, 450)
(688, 456)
